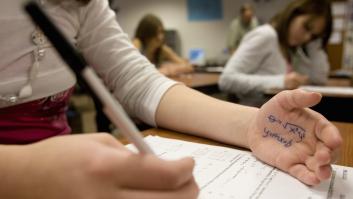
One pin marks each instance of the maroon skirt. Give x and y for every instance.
(36, 120)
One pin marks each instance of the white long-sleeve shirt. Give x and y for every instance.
(93, 29)
(258, 64)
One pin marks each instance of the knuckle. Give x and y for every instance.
(107, 137)
(97, 164)
(171, 179)
(285, 92)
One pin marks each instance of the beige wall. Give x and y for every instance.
(209, 35)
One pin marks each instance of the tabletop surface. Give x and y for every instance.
(346, 129)
(194, 80)
(332, 82)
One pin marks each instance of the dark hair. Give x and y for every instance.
(146, 30)
(245, 7)
(296, 8)
(81, 2)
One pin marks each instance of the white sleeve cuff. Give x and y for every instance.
(276, 82)
(152, 100)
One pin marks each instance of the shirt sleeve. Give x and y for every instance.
(233, 35)
(315, 63)
(254, 22)
(241, 72)
(132, 79)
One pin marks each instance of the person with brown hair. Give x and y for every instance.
(35, 85)
(149, 39)
(287, 53)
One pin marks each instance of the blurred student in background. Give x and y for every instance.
(287, 53)
(240, 26)
(149, 39)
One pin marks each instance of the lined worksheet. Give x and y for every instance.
(225, 173)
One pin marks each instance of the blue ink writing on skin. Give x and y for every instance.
(291, 130)
(296, 130)
(273, 119)
(278, 137)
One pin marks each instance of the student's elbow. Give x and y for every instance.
(228, 80)
(223, 83)
(228, 83)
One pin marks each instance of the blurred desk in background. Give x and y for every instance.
(209, 69)
(339, 81)
(342, 74)
(203, 82)
(337, 100)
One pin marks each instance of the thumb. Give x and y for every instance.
(298, 98)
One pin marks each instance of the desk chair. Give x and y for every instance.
(104, 124)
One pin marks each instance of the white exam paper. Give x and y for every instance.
(225, 173)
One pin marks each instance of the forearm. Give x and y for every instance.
(188, 111)
(315, 63)
(11, 173)
(243, 84)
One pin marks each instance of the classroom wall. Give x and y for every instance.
(209, 35)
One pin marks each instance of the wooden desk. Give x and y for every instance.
(343, 82)
(346, 129)
(334, 82)
(335, 107)
(195, 80)
(204, 82)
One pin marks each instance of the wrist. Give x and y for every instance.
(244, 120)
(250, 124)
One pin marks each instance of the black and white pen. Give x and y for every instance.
(87, 77)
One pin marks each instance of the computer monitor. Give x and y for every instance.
(197, 56)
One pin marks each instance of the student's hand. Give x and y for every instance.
(168, 69)
(98, 166)
(187, 68)
(294, 80)
(164, 71)
(293, 138)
